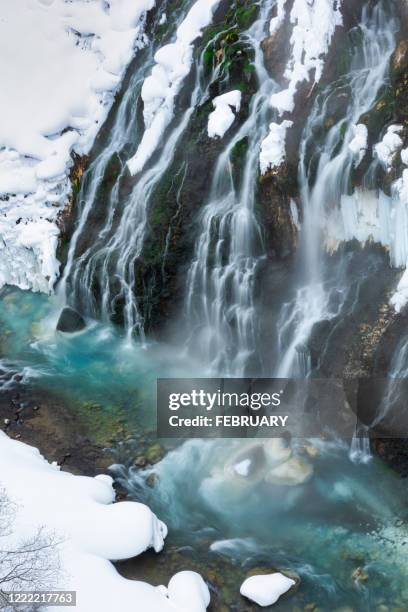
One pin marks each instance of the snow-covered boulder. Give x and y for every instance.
(221, 119)
(265, 590)
(91, 531)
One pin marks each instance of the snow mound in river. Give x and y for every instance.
(91, 531)
(61, 62)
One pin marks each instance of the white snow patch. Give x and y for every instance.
(273, 148)
(358, 145)
(265, 590)
(92, 531)
(314, 23)
(387, 148)
(277, 21)
(60, 63)
(242, 468)
(187, 591)
(221, 119)
(404, 156)
(173, 64)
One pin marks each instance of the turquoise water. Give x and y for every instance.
(96, 365)
(343, 517)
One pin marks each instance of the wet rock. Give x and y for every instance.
(154, 453)
(140, 461)
(276, 190)
(359, 576)
(294, 472)
(151, 480)
(70, 321)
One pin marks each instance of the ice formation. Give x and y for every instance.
(173, 64)
(273, 147)
(265, 590)
(377, 217)
(70, 58)
(314, 23)
(91, 531)
(358, 145)
(278, 19)
(387, 148)
(221, 119)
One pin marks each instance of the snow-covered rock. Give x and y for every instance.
(91, 531)
(277, 20)
(221, 119)
(387, 148)
(314, 23)
(187, 591)
(358, 145)
(61, 63)
(173, 64)
(265, 590)
(273, 148)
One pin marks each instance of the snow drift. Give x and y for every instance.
(61, 63)
(91, 532)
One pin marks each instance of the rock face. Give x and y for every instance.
(70, 321)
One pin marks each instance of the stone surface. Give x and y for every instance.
(70, 321)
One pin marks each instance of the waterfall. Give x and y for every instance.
(220, 307)
(324, 178)
(101, 278)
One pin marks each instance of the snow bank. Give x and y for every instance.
(92, 531)
(273, 147)
(61, 62)
(265, 590)
(314, 23)
(358, 145)
(387, 148)
(173, 64)
(221, 119)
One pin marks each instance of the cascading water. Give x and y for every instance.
(102, 278)
(324, 177)
(220, 285)
(264, 502)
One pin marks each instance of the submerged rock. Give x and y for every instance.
(294, 472)
(70, 321)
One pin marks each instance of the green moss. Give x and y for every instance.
(239, 150)
(246, 15)
(224, 48)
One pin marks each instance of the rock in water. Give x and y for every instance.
(266, 590)
(70, 321)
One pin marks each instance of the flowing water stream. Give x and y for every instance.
(220, 283)
(324, 176)
(341, 526)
